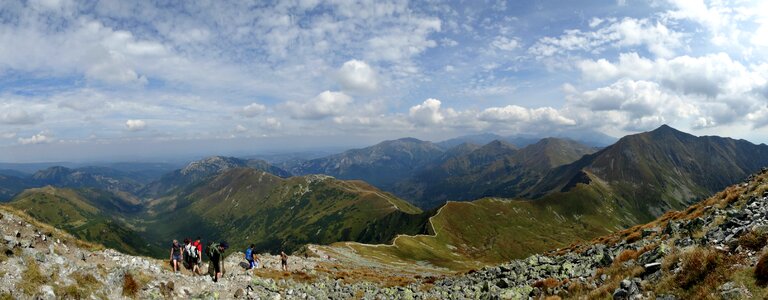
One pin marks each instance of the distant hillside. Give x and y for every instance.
(585, 137)
(198, 171)
(89, 214)
(11, 185)
(248, 206)
(100, 178)
(14, 173)
(661, 170)
(497, 169)
(381, 165)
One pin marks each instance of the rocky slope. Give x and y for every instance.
(708, 251)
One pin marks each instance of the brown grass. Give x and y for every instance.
(298, 276)
(376, 276)
(577, 288)
(634, 237)
(547, 283)
(32, 278)
(761, 270)
(753, 240)
(702, 272)
(697, 265)
(625, 255)
(85, 284)
(130, 286)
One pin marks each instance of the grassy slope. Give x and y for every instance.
(82, 213)
(488, 231)
(246, 206)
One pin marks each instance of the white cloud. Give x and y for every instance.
(633, 105)
(526, 116)
(398, 44)
(426, 113)
(710, 75)
(446, 42)
(505, 43)
(723, 90)
(40, 138)
(594, 22)
(240, 128)
(357, 77)
(627, 32)
(271, 124)
(326, 104)
(135, 125)
(16, 116)
(252, 110)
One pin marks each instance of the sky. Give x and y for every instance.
(116, 79)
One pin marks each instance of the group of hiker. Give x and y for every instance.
(254, 261)
(190, 255)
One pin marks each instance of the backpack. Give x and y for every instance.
(191, 251)
(211, 249)
(248, 253)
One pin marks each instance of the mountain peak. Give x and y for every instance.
(500, 144)
(409, 140)
(665, 128)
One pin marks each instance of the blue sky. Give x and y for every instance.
(108, 79)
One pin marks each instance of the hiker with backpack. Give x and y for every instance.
(199, 248)
(191, 256)
(250, 256)
(215, 253)
(175, 255)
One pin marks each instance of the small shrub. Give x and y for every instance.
(625, 256)
(130, 286)
(761, 270)
(634, 237)
(577, 288)
(69, 292)
(547, 283)
(696, 265)
(754, 240)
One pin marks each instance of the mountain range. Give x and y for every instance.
(497, 169)
(483, 203)
(635, 180)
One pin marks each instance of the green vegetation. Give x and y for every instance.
(246, 206)
(85, 213)
(467, 235)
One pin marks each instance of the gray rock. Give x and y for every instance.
(503, 283)
(651, 268)
(620, 294)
